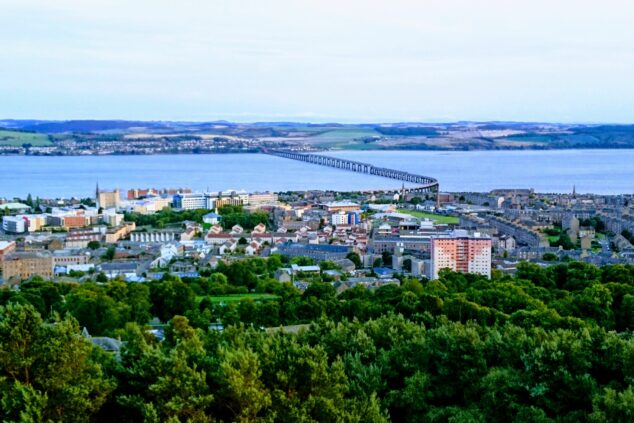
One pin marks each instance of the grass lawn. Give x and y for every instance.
(438, 218)
(16, 139)
(236, 297)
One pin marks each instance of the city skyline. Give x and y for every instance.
(321, 61)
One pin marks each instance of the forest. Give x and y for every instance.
(551, 344)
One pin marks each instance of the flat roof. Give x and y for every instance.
(14, 206)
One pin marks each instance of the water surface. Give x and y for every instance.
(598, 171)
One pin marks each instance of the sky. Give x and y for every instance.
(318, 61)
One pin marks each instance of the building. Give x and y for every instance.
(149, 205)
(81, 238)
(415, 243)
(259, 198)
(18, 266)
(15, 208)
(6, 247)
(159, 237)
(14, 224)
(135, 193)
(317, 252)
(461, 253)
(211, 218)
(343, 217)
(119, 232)
(336, 206)
(23, 223)
(210, 200)
(522, 234)
(111, 218)
(190, 201)
(108, 199)
(78, 221)
(65, 258)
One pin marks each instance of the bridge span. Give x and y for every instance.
(423, 183)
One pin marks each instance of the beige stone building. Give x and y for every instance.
(18, 266)
(108, 199)
(119, 232)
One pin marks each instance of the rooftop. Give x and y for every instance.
(14, 206)
(5, 244)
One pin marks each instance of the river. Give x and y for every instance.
(597, 171)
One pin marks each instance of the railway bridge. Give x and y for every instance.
(423, 183)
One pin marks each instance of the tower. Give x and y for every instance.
(574, 191)
(97, 195)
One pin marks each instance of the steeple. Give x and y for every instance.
(97, 195)
(574, 191)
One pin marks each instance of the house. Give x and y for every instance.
(228, 247)
(252, 248)
(211, 218)
(117, 268)
(237, 230)
(107, 344)
(282, 275)
(346, 265)
(260, 228)
(168, 252)
(384, 272)
(506, 243)
(182, 267)
(334, 274)
(218, 238)
(215, 229)
(305, 269)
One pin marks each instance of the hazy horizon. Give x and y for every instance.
(323, 122)
(327, 61)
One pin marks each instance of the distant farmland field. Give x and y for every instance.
(16, 139)
(343, 137)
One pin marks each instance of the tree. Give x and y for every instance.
(94, 245)
(96, 310)
(109, 254)
(354, 257)
(407, 265)
(274, 262)
(164, 384)
(565, 242)
(47, 371)
(386, 257)
(170, 297)
(244, 393)
(549, 257)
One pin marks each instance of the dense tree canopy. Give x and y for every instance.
(549, 344)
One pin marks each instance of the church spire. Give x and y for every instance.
(97, 195)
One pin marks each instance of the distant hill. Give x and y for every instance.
(89, 126)
(461, 135)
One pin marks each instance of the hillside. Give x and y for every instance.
(392, 136)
